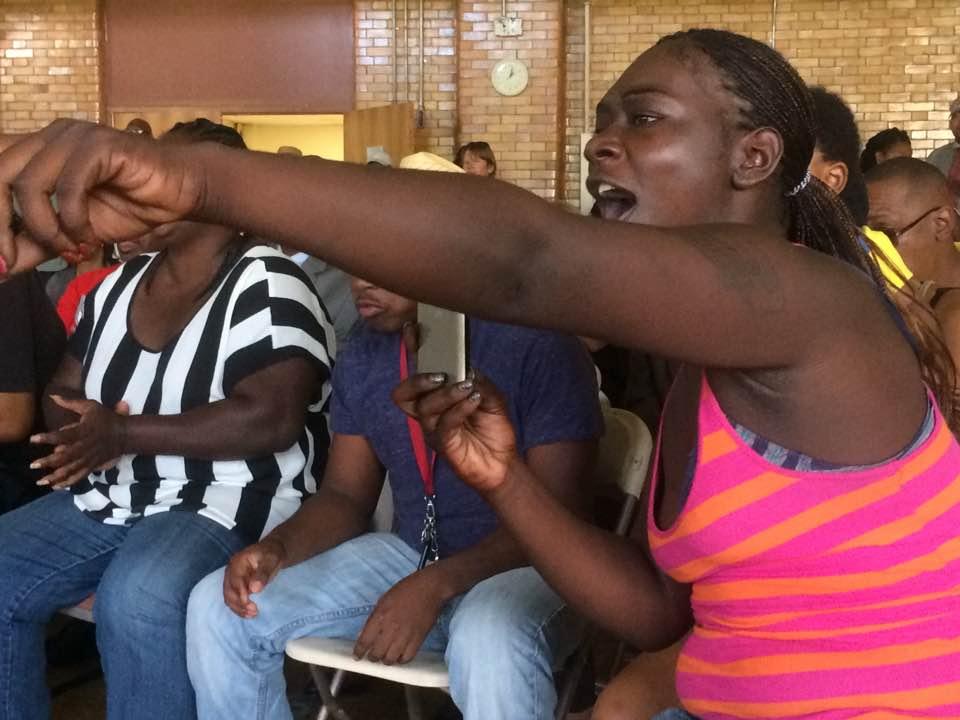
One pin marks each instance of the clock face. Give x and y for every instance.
(509, 77)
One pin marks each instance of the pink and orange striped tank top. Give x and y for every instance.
(817, 594)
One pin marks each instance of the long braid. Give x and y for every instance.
(774, 95)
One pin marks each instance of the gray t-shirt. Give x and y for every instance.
(942, 157)
(333, 287)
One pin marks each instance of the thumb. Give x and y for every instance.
(76, 405)
(122, 408)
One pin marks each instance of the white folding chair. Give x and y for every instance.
(623, 458)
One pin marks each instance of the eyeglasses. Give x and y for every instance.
(895, 235)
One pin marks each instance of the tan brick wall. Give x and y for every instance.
(895, 61)
(459, 101)
(374, 62)
(523, 130)
(48, 62)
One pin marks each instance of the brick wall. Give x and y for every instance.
(375, 72)
(48, 62)
(459, 101)
(896, 62)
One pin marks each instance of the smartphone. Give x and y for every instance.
(443, 342)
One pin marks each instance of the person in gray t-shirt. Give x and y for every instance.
(944, 155)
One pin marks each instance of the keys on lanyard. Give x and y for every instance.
(430, 537)
(426, 462)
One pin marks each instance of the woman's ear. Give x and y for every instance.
(756, 157)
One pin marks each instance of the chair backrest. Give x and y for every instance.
(624, 459)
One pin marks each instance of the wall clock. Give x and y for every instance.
(509, 77)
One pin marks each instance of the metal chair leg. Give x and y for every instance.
(414, 702)
(328, 689)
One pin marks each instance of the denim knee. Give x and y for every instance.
(206, 608)
(138, 595)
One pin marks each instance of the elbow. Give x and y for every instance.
(286, 434)
(278, 431)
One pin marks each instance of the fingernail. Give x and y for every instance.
(34, 438)
(34, 466)
(475, 397)
(465, 386)
(438, 378)
(43, 482)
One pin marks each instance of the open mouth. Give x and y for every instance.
(612, 201)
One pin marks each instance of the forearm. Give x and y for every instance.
(506, 255)
(224, 430)
(496, 553)
(390, 245)
(324, 521)
(605, 577)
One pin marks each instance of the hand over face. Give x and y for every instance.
(109, 186)
(467, 423)
(94, 442)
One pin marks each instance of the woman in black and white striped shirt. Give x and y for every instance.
(192, 407)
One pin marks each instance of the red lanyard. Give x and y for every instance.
(426, 461)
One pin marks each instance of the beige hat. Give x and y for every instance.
(429, 161)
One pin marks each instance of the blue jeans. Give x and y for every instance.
(52, 556)
(502, 639)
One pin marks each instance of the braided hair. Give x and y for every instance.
(881, 142)
(773, 95)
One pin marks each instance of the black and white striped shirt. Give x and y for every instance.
(264, 311)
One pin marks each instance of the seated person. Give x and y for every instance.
(477, 158)
(32, 342)
(321, 573)
(217, 348)
(835, 164)
(911, 203)
(885, 145)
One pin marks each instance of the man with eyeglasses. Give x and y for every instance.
(911, 202)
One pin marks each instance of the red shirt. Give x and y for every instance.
(76, 291)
